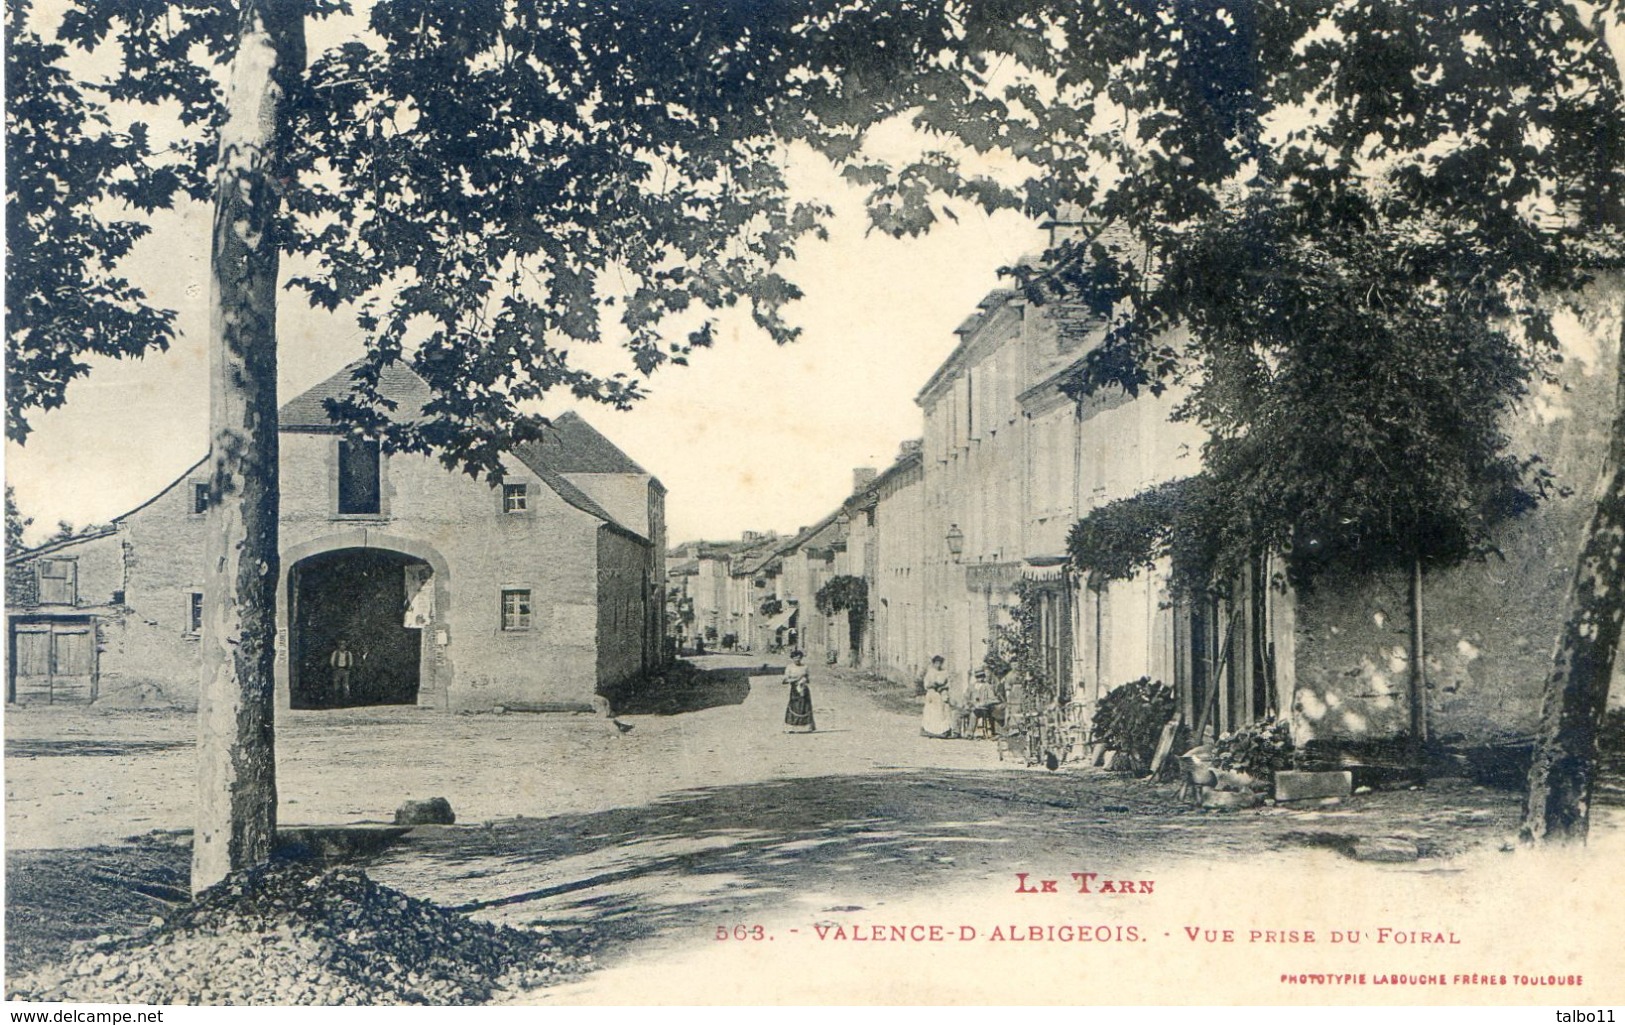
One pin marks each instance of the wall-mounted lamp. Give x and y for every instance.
(956, 541)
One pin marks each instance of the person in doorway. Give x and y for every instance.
(938, 720)
(342, 662)
(800, 710)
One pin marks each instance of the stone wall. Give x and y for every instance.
(1488, 627)
(448, 520)
(623, 567)
(163, 544)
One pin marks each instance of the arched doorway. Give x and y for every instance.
(357, 618)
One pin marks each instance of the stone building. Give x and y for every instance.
(1010, 463)
(886, 516)
(444, 591)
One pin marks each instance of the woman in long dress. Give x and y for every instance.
(938, 720)
(800, 711)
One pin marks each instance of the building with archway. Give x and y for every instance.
(401, 582)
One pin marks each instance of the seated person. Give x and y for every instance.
(983, 699)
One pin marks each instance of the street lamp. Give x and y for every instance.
(956, 541)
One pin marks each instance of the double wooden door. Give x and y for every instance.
(53, 662)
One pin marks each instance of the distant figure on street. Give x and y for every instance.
(800, 711)
(341, 662)
(938, 720)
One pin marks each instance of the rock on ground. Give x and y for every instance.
(1385, 848)
(295, 934)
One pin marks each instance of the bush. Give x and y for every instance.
(1260, 749)
(1130, 719)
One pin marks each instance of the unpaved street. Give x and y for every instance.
(77, 777)
(709, 816)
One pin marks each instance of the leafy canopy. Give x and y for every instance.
(485, 184)
(1337, 224)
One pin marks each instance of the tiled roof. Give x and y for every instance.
(396, 382)
(565, 490)
(68, 542)
(571, 445)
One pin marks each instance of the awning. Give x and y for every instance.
(998, 576)
(782, 620)
(1045, 568)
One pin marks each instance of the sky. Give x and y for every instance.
(749, 436)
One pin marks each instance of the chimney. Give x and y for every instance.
(1067, 225)
(750, 536)
(862, 477)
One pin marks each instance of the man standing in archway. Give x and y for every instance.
(341, 662)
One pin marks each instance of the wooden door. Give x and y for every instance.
(54, 662)
(31, 663)
(73, 664)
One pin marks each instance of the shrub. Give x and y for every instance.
(1260, 749)
(1130, 719)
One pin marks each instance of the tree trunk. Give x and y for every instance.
(236, 813)
(1576, 698)
(1418, 674)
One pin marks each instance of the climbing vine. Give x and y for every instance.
(849, 594)
(1014, 654)
(1184, 521)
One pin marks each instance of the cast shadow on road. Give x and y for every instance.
(37, 748)
(60, 896)
(811, 848)
(674, 870)
(682, 866)
(689, 688)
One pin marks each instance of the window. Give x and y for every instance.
(516, 609)
(58, 582)
(194, 613)
(358, 477)
(200, 498)
(515, 498)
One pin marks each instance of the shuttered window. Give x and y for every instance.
(58, 582)
(359, 488)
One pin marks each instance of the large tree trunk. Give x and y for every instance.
(236, 813)
(1565, 763)
(1417, 741)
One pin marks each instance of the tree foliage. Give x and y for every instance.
(16, 523)
(843, 593)
(1337, 224)
(76, 187)
(849, 594)
(483, 186)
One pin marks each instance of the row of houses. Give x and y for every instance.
(423, 585)
(967, 531)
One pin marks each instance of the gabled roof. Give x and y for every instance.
(55, 546)
(804, 538)
(571, 445)
(565, 490)
(396, 382)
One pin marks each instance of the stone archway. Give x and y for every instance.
(386, 598)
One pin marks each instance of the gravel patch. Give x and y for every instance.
(296, 934)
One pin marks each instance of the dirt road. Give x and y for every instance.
(76, 777)
(708, 818)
